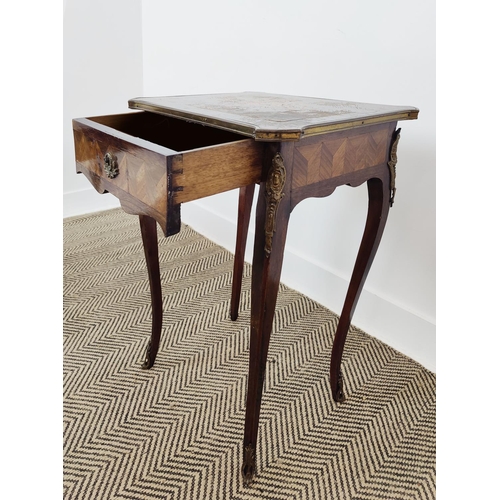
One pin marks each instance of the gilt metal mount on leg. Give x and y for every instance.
(149, 359)
(393, 159)
(274, 193)
(339, 394)
(248, 467)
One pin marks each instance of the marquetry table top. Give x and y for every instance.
(273, 117)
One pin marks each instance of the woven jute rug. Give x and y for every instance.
(176, 431)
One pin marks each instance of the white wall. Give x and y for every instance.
(102, 70)
(382, 52)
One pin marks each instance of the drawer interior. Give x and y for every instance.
(172, 133)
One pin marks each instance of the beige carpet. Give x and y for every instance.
(176, 431)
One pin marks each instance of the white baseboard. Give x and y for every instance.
(87, 201)
(403, 330)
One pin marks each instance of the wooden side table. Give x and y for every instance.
(178, 149)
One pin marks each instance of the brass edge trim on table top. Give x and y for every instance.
(203, 120)
(323, 129)
(280, 135)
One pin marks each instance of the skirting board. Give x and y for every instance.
(87, 201)
(403, 330)
(397, 327)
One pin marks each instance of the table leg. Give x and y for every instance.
(273, 212)
(378, 207)
(244, 210)
(150, 243)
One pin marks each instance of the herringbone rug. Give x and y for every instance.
(175, 432)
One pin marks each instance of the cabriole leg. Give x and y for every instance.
(378, 208)
(273, 212)
(150, 244)
(244, 210)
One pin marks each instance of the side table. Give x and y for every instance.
(178, 149)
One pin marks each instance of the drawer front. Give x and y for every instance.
(152, 179)
(139, 176)
(91, 149)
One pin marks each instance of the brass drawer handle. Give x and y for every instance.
(110, 165)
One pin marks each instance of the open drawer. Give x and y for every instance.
(153, 163)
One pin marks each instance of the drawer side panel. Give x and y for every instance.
(208, 171)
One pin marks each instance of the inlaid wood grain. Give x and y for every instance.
(273, 117)
(325, 157)
(142, 171)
